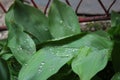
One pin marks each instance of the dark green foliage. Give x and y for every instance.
(4, 72)
(115, 34)
(54, 48)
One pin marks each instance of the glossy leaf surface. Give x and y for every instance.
(31, 19)
(92, 57)
(93, 41)
(46, 62)
(21, 44)
(58, 56)
(63, 21)
(89, 62)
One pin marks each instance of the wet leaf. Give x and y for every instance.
(31, 19)
(92, 57)
(63, 20)
(46, 62)
(89, 62)
(21, 44)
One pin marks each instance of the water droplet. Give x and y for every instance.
(40, 67)
(67, 55)
(42, 63)
(39, 71)
(46, 29)
(26, 64)
(19, 48)
(61, 21)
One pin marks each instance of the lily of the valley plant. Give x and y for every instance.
(53, 47)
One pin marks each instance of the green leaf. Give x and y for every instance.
(21, 44)
(33, 21)
(63, 21)
(3, 70)
(93, 41)
(58, 56)
(94, 53)
(46, 62)
(116, 76)
(89, 62)
(6, 56)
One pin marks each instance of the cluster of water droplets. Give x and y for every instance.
(29, 46)
(19, 48)
(69, 27)
(61, 52)
(41, 67)
(45, 28)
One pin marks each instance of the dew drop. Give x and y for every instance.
(61, 21)
(26, 64)
(67, 55)
(42, 63)
(46, 29)
(19, 48)
(40, 70)
(40, 67)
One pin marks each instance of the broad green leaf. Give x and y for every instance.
(63, 21)
(93, 41)
(21, 44)
(95, 53)
(58, 56)
(3, 70)
(116, 76)
(33, 21)
(89, 62)
(46, 62)
(103, 34)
